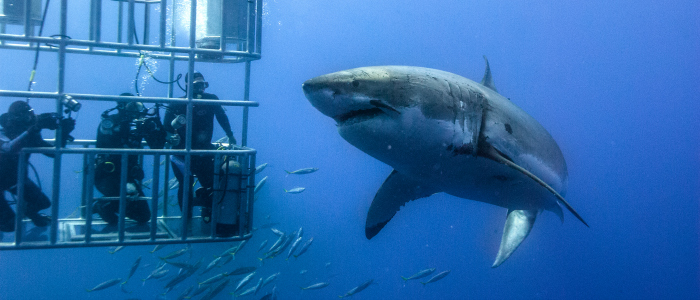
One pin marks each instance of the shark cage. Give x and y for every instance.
(216, 32)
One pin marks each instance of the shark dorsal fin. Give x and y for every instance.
(487, 81)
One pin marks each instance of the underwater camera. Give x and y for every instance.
(71, 104)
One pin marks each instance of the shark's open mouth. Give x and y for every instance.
(357, 116)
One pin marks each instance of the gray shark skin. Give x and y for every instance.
(444, 133)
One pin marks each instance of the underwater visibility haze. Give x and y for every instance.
(614, 83)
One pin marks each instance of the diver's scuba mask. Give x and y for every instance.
(20, 120)
(199, 86)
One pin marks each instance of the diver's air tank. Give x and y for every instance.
(227, 200)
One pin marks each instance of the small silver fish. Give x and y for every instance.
(216, 290)
(211, 265)
(243, 282)
(157, 273)
(240, 246)
(277, 231)
(305, 247)
(302, 272)
(133, 268)
(214, 278)
(316, 286)
(179, 278)
(260, 184)
(262, 245)
(437, 277)
(277, 243)
(260, 168)
(420, 274)
(243, 270)
(303, 171)
(277, 247)
(245, 293)
(116, 249)
(294, 247)
(259, 285)
(176, 253)
(270, 279)
(173, 183)
(157, 247)
(295, 190)
(228, 251)
(229, 258)
(147, 183)
(358, 288)
(104, 285)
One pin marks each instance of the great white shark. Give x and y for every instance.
(442, 132)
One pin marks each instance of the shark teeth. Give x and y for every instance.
(357, 116)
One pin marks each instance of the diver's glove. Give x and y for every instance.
(131, 190)
(47, 121)
(136, 172)
(173, 139)
(231, 140)
(67, 126)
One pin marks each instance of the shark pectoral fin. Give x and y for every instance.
(517, 227)
(394, 193)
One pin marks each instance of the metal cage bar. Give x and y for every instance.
(160, 224)
(94, 45)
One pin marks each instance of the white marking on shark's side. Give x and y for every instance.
(444, 133)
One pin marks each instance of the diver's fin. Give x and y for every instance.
(494, 154)
(487, 81)
(394, 193)
(517, 227)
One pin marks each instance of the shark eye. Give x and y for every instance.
(355, 83)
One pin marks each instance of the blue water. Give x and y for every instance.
(614, 82)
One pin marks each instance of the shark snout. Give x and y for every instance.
(309, 86)
(324, 96)
(348, 94)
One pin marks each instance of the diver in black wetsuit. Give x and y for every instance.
(22, 128)
(202, 130)
(125, 129)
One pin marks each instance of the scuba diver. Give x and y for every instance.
(125, 129)
(202, 130)
(22, 128)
